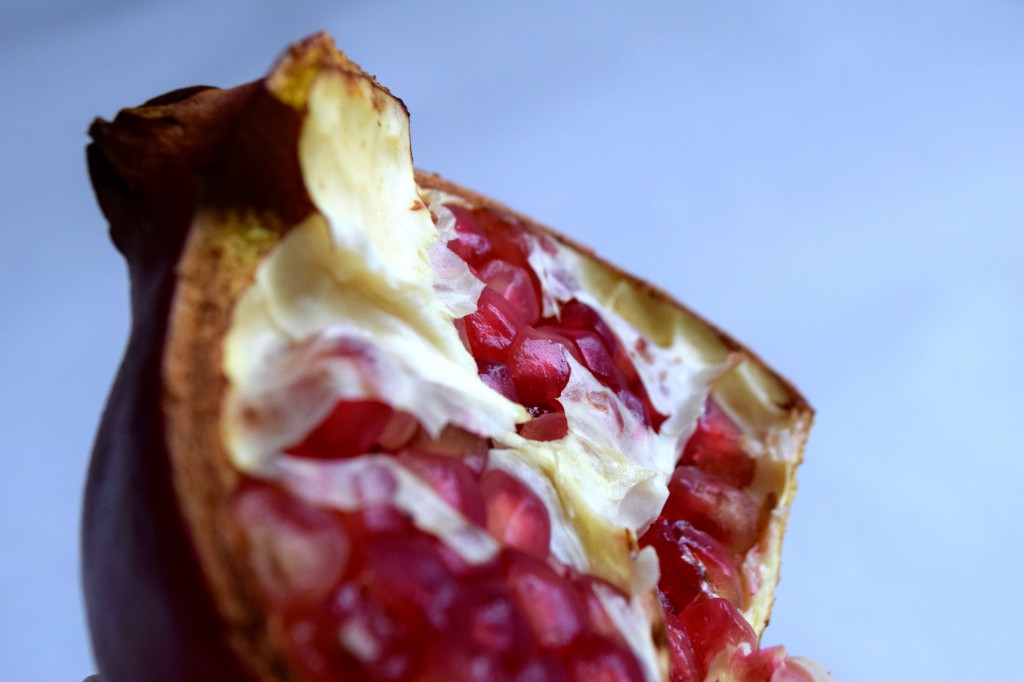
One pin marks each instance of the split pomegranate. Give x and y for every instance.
(372, 426)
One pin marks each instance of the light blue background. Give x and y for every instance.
(838, 184)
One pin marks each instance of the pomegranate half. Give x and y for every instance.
(371, 425)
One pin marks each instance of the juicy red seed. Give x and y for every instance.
(451, 442)
(603, 659)
(493, 327)
(576, 315)
(715, 448)
(578, 319)
(634, 405)
(538, 366)
(692, 564)
(453, 660)
(471, 244)
(516, 517)
(381, 519)
(710, 504)
(551, 603)
(543, 668)
(593, 353)
(546, 426)
(713, 625)
(406, 576)
(765, 664)
(352, 428)
(399, 430)
(453, 481)
(682, 662)
(382, 638)
(498, 377)
(487, 616)
(597, 617)
(299, 551)
(517, 285)
(508, 240)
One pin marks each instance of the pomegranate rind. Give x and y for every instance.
(195, 222)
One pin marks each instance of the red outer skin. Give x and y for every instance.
(149, 609)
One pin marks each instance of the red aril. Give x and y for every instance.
(552, 604)
(493, 327)
(693, 564)
(453, 480)
(714, 506)
(603, 659)
(398, 431)
(714, 626)
(302, 549)
(683, 666)
(351, 429)
(547, 423)
(515, 515)
(715, 448)
(471, 244)
(488, 617)
(498, 377)
(593, 353)
(538, 366)
(406, 576)
(515, 284)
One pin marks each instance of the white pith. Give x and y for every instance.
(358, 302)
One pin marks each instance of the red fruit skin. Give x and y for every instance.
(149, 609)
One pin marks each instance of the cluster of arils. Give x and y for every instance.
(519, 352)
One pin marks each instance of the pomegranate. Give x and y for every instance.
(371, 425)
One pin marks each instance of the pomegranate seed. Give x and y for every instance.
(576, 315)
(548, 423)
(377, 640)
(493, 327)
(538, 366)
(712, 625)
(517, 285)
(543, 668)
(692, 564)
(682, 664)
(383, 518)
(710, 504)
(398, 431)
(597, 616)
(498, 377)
(487, 617)
(580, 317)
(715, 448)
(451, 442)
(406, 576)
(508, 240)
(352, 428)
(515, 515)
(456, 661)
(453, 481)
(299, 551)
(762, 665)
(471, 244)
(603, 659)
(634, 405)
(552, 604)
(593, 353)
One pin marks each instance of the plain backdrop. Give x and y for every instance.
(838, 184)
